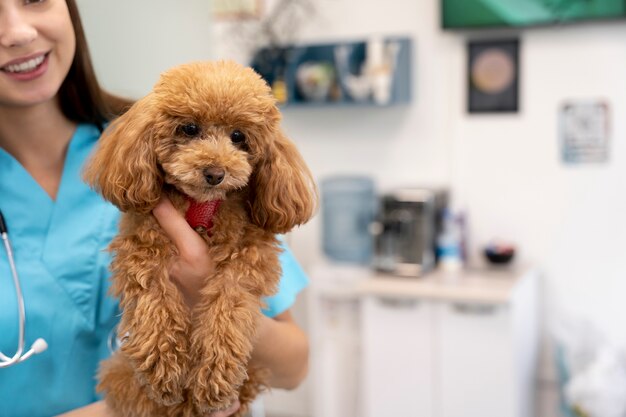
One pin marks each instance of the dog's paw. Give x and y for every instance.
(164, 394)
(162, 378)
(213, 387)
(161, 368)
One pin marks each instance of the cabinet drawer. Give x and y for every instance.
(475, 356)
(397, 357)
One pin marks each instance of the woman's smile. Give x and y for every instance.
(26, 68)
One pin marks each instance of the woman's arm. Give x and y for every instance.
(98, 409)
(283, 348)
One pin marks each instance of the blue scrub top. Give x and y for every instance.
(59, 253)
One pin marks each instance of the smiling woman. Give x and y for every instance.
(38, 46)
(52, 112)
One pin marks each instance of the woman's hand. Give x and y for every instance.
(188, 270)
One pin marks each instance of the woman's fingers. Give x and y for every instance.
(178, 230)
(193, 264)
(172, 222)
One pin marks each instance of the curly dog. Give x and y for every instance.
(208, 136)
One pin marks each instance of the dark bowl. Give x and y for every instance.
(499, 258)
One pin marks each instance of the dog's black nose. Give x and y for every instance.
(214, 176)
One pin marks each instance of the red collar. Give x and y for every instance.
(200, 215)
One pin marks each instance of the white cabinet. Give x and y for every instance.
(432, 347)
(335, 352)
(397, 377)
(475, 361)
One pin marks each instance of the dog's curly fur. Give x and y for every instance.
(175, 362)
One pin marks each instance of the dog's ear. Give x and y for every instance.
(284, 194)
(124, 166)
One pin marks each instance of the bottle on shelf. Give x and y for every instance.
(449, 243)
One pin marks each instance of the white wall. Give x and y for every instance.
(504, 169)
(132, 42)
(568, 219)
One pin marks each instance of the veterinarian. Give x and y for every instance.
(52, 111)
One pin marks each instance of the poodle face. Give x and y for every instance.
(206, 128)
(204, 158)
(209, 131)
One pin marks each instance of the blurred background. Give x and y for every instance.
(468, 257)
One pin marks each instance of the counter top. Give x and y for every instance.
(492, 285)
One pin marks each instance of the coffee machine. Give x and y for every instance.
(409, 221)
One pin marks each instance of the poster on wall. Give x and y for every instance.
(584, 130)
(493, 76)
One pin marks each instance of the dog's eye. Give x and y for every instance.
(237, 136)
(190, 129)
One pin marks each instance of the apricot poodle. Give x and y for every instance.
(208, 136)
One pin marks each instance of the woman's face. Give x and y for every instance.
(37, 46)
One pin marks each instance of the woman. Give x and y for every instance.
(51, 114)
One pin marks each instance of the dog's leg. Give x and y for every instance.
(258, 381)
(224, 327)
(155, 320)
(123, 393)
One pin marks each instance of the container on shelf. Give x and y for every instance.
(348, 209)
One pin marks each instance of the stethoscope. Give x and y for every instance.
(39, 345)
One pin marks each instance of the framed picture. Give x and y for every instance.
(236, 9)
(584, 129)
(493, 76)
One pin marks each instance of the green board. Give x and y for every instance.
(458, 14)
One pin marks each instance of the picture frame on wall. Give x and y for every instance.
(493, 76)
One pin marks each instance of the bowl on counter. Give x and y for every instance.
(499, 253)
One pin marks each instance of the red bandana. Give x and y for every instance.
(200, 215)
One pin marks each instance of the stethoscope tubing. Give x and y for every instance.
(5, 360)
(40, 344)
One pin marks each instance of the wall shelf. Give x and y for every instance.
(371, 72)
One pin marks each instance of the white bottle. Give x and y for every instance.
(449, 244)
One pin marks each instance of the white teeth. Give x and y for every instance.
(29, 65)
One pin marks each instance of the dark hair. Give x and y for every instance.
(81, 98)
